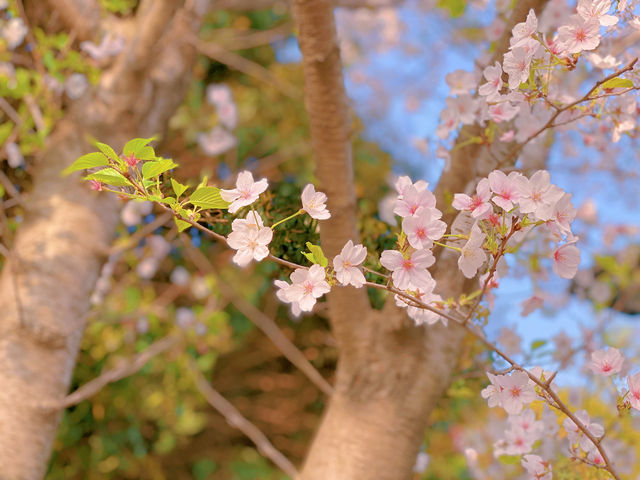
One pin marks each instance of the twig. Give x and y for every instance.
(10, 111)
(94, 386)
(244, 65)
(235, 419)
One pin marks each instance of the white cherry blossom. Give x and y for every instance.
(346, 264)
(314, 203)
(246, 192)
(606, 362)
(422, 229)
(472, 255)
(566, 259)
(408, 271)
(307, 286)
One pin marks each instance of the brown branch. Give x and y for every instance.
(235, 419)
(252, 5)
(80, 16)
(244, 65)
(94, 386)
(231, 39)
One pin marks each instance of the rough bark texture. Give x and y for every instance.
(390, 373)
(56, 257)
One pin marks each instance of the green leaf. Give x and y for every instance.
(110, 176)
(509, 459)
(178, 188)
(455, 7)
(617, 83)
(537, 344)
(317, 254)
(208, 197)
(90, 160)
(108, 151)
(154, 169)
(181, 224)
(138, 146)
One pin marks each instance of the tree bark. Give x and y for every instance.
(390, 373)
(60, 246)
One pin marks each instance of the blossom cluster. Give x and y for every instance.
(220, 138)
(538, 48)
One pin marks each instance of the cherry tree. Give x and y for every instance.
(494, 201)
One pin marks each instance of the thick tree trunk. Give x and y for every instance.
(56, 257)
(390, 373)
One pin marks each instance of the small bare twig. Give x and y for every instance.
(235, 419)
(94, 386)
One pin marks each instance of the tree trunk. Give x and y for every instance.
(391, 373)
(60, 246)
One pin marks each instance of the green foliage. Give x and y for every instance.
(90, 160)
(455, 7)
(316, 255)
(208, 197)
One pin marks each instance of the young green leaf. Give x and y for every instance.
(109, 176)
(108, 151)
(208, 197)
(90, 160)
(181, 224)
(153, 169)
(178, 188)
(138, 147)
(317, 254)
(617, 83)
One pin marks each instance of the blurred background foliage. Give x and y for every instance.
(155, 424)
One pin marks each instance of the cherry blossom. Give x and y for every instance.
(461, 82)
(307, 286)
(524, 30)
(408, 271)
(76, 85)
(402, 183)
(314, 203)
(516, 65)
(422, 229)
(346, 264)
(491, 89)
(246, 192)
(503, 112)
(597, 10)
(478, 204)
(579, 34)
(425, 295)
(607, 362)
(283, 288)
(492, 392)
(564, 213)
(536, 467)
(14, 32)
(504, 188)
(527, 423)
(537, 195)
(110, 46)
(575, 434)
(414, 199)
(216, 141)
(633, 382)
(566, 259)
(251, 243)
(516, 392)
(472, 255)
(531, 304)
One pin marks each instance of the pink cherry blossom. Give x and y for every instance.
(424, 294)
(516, 65)
(579, 34)
(472, 255)
(575, 434)
(536, 467)
(503, 112)
(492, 392)
(216, 141)
(307, 286)
(524, 30)
(526, 421)
(517, 392)
(408, 271)
(477, 204)
(607, 362)
(633, 382)
(519, 442)
(461, 82)
(531, 304)
(491, 89)
(283, 288)
(346, 264)
(537, 195)
(597, 10)
(422, 229)
(403, 182)
(566, 259)
(314, 203)
(246, 191)
(504, 189)
(414, 199)
(564, 213)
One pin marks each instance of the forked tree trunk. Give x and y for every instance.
(390, 373)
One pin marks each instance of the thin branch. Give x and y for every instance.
(94, 386)
(80, 16)
(10, 111)
(244, 65)
(235, 419)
